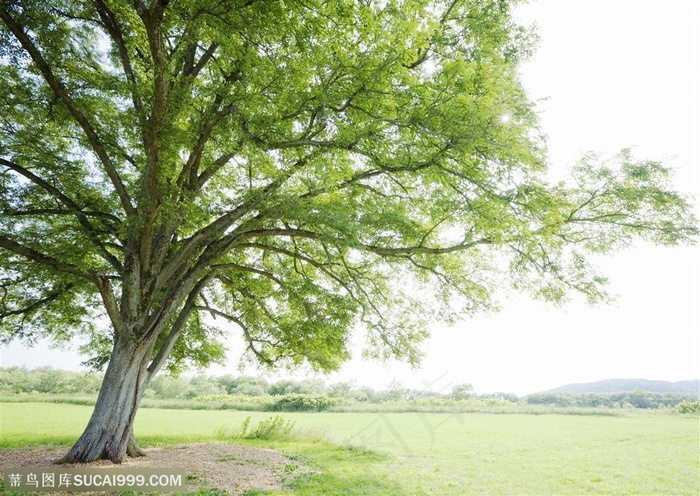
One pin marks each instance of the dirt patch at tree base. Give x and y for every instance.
(226, 467)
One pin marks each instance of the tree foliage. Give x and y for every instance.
(295, 170)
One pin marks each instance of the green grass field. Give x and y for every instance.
(420, 453)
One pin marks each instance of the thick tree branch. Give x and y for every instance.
(61, 92)
(101, 281)
(116, 33)
(37, 303)
(252, 270)
(193, 70)
(152, 21)
(215, 167)
(216, 228)
(379, 250)
(45, 260)
(409, 250)
(294, 255)
(111, 24)
(81, 215)
(176, 330)
(57, 211)
(191, 168)
(301, 142)
(110, 303)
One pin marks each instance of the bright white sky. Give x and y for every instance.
(617, 73)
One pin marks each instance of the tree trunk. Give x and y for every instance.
(109, 433)
(133, 449)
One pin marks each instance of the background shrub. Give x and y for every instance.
(689, 407)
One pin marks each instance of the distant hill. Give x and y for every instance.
(629, 385)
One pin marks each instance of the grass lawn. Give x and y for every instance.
(418, 453)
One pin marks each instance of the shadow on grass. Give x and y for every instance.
(322, 468)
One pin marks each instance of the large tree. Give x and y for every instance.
(291, 169)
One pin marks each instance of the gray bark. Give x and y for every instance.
(109, 433)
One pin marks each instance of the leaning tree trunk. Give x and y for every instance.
(109, 433)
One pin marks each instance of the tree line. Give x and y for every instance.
(316, 394)
(20, 380)
(630, 399)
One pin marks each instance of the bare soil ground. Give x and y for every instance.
(230, 468)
